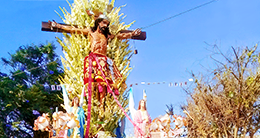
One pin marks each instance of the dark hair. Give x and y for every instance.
(139, 107)
(72, 104)
(94, 28)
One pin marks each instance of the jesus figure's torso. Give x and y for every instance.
(98, 43)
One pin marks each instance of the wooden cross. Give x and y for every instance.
(46, 27)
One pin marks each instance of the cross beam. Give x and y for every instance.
(46, 27)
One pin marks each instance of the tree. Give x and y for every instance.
(26, 93)
(77, 46)
(228, 104)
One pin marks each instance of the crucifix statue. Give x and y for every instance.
(99, 69)
(99, 36)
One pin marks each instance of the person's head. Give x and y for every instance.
(102, 23)
(75, 101)
(142, 104)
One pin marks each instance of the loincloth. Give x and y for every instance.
(112, 74)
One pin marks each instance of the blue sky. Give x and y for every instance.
(172, 48)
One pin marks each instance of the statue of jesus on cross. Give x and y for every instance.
(99, 36)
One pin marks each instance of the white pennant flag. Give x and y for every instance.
(170, 84)
(180, 84)
(53, 87)
(58, 87)
(176, 84)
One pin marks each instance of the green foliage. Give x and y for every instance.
(32, 69)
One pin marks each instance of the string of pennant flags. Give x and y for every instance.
(170, 84)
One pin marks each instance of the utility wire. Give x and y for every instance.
(204, 4)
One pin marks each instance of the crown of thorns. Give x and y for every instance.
(97, 15)
(102, 16)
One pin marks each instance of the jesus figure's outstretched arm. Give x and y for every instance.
(69, 29)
